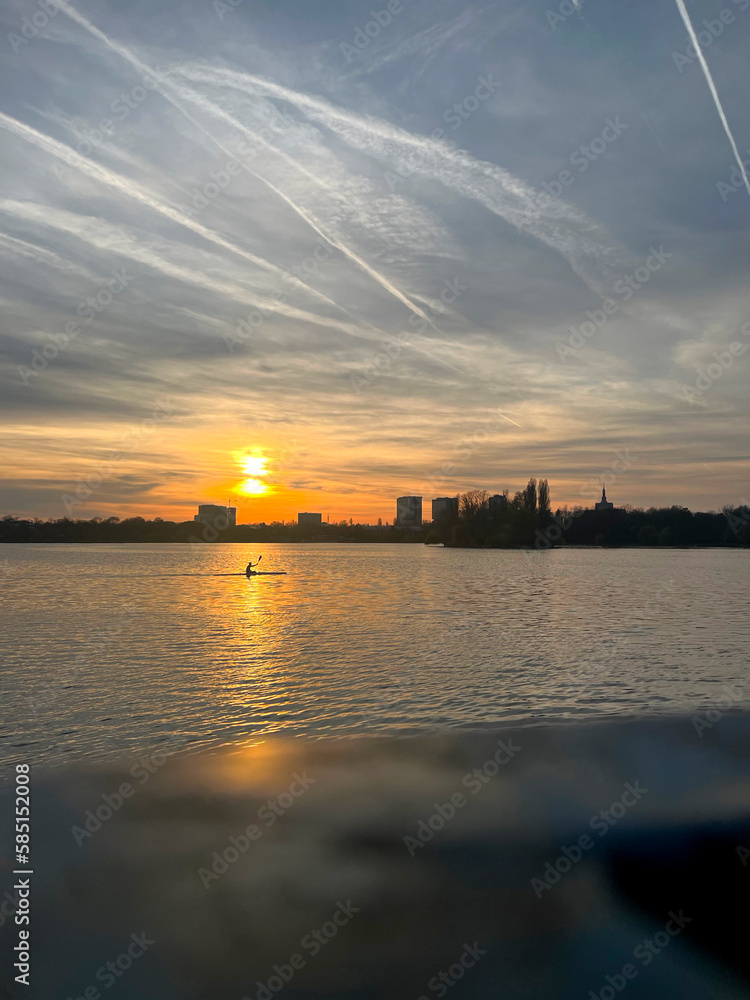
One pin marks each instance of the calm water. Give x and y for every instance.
(113, 649)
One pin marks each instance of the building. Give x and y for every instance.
(217, 516)
(444, 508)
(604, 504)
(498, 502)
(310, 520)
(408, 512)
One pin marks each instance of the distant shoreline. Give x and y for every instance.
(523, 523)
(368, 541)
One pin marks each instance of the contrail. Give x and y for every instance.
(303, 214)
(711, 86)
(102, 236)
(126, 54)
(164, 88)
(505, 417)
(499, 191)
(130, 57)
(138, 192)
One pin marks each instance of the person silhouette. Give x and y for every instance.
(249, 571)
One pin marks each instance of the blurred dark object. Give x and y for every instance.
(553, 862)
(700, 867)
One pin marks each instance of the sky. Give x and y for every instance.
(311, 257)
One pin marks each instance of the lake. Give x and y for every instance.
(111, 650)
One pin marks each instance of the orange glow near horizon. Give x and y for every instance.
(171, 469)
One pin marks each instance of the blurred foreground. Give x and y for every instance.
(555, 862)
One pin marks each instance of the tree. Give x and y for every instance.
(523, 527)
(545, 511)
(666, 536)
(458, 535)
(530, 495)
(501, 538)
(648, 535)
(474, 514)
(471, 505)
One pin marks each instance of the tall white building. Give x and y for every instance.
(409, 512)
(444, 507)
(217, 516)
(309, 519)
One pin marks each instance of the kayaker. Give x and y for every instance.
(250, 565)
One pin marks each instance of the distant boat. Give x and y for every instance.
(249, 571)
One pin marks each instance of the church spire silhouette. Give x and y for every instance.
(603, 504)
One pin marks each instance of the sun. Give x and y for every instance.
(253, 487)
(253, 466)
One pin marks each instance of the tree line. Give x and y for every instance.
(525, 520)
(138, 529)
(498, 521)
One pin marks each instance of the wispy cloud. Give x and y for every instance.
(41, 255)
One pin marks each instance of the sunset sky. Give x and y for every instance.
(291, 256)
